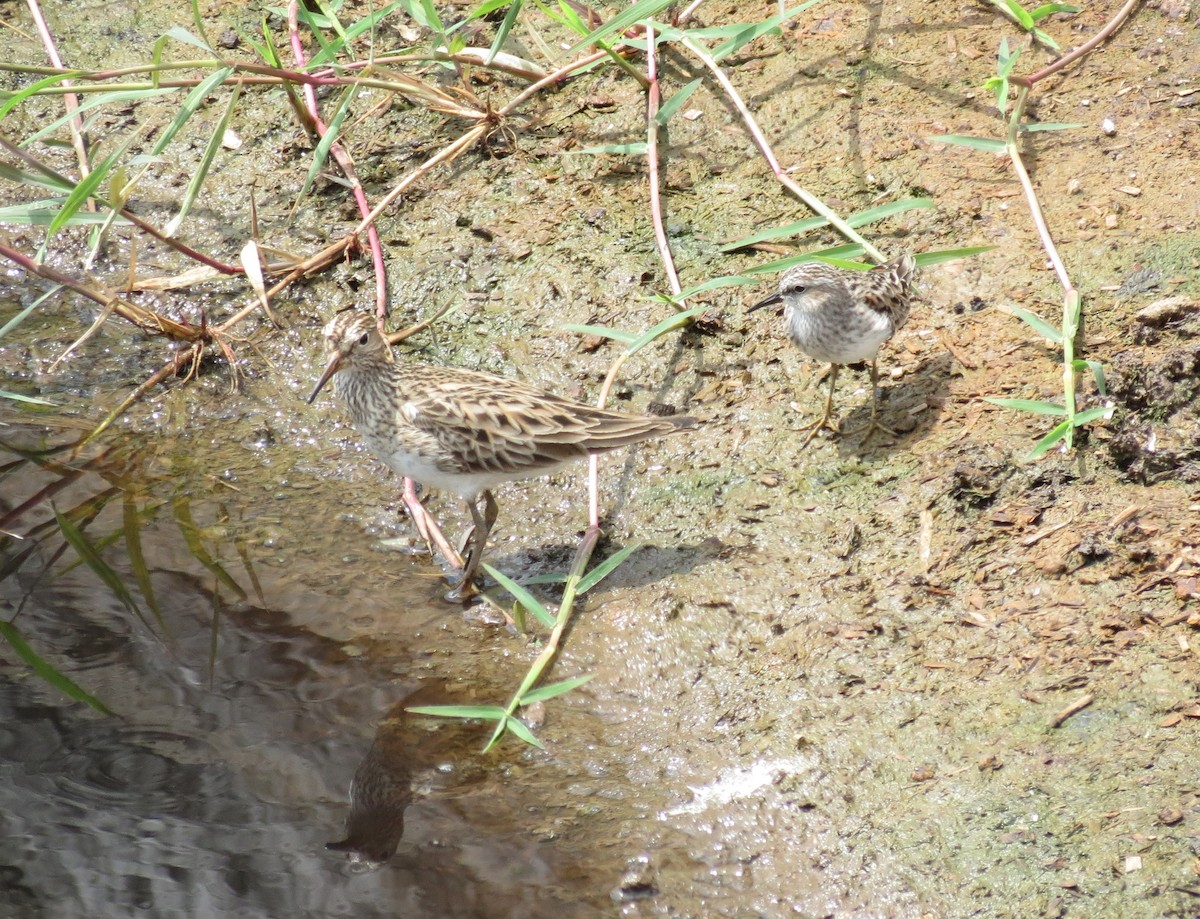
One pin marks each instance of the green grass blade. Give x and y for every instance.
(1049, 9)
(1029, 405)
(35, 179)
(518, 727)
(849, 250)
(137, 559)
(191, 535)
(486, 712)
(329, 138)
(523, 596)
(643, 9)
(17, 397)
(542, 693)
(675, 103)
(751, 32)
(191, 103)
(1037, 323)
(510, 19)
(1091, 414)
(989, 144)
(605, 568)
(206, 161)
(80, 194)
(1046, 40)
(1095, 367)
(812, 223)
(182, 35)
(620, 335)
(43, 213)
(33, 89)
(667, 325)
(727, 280)
(198, 22)
(1050, 126)
(90, 557)
(91, 102)
(634, 149)
(1056, 434)
(47, 671)
(937, 256)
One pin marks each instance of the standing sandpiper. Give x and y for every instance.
(462, 431)
(843, 317)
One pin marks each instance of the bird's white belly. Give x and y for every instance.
(424, 469)
(857, 336)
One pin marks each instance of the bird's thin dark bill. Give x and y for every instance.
(330, 369)
(773, 300)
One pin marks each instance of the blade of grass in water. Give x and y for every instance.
(47, 671)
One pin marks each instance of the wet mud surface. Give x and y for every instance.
(914, 677)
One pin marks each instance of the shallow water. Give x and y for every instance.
(225, 772)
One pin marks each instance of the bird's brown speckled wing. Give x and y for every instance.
(493, 424)
(887, 289)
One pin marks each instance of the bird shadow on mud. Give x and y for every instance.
(910, 407)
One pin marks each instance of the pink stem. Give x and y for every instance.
(70, 100)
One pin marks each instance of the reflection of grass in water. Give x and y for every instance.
(70, 528)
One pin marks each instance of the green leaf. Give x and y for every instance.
(855, 220)
(17, 397)
(47, 671)
(91, 102)
(1095, 367)
(620, 335)
(206, 161)
(1039, 325)
(1019, 13)
(751, 32)
(1089, 415)
(605, 568)
(1050, 126)
(1029, 405)
(191, 103)
(33, 89)
(80, 194)
(1056, 434)
(1049, 9)
(988, 144)
(937, 256)
(849, 250)
(137, 559)
(1046, 40)
(667, 325)
(329, 138)
(518, 727)
(485, 712)
(90, 557)
(727, 280)
(643, 9)
(634, 149)
(542, 693)
(523, 596)
(191, 535)
(675, 103)
(510, 19)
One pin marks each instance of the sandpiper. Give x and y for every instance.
(463, 431)
(844, 316)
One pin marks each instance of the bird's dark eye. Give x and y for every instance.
(798, 289)
(366, 338)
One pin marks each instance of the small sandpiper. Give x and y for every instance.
(462, 431)
(844, 316)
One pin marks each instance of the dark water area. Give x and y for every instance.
(216, 785)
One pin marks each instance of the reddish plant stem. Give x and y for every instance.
(342, 156)
(1071, 56)
(70, 100)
